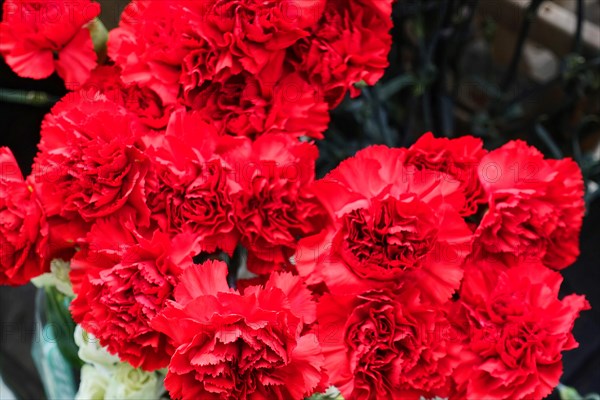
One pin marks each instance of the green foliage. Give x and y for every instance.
(569, 393)
(59, 317)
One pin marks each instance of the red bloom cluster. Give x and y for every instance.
(432, 268)
(414, 301)
(250, 67)
(138, 173)
(404, 273)
(420, 302)
(131, 206)
(232, 190)
(40, 37)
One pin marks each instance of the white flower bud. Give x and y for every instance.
(128, 383)
(58, 276)
(93, 383)
(90, 350)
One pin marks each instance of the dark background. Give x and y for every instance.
(447, 74)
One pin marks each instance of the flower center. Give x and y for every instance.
(390, 236)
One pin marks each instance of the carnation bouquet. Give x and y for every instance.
(181, 237)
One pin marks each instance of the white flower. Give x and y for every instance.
(128, 383)
(93, 383)
(58, 276)
(90, 350)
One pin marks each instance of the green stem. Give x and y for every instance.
(27, 97)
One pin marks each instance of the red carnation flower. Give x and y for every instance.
(536, 206)
(348, 45)
(518, 329)
(276, 206)
(247, 346)
(457, 158)
(117, 304)
(190, 189)
(23, 226)
(389, 226)
(386, 344)
(91, 162)
(40, 37)
(151, 42)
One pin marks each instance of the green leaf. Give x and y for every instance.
(569, 393)
(59, 316)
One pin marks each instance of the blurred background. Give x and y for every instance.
(496, 69)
